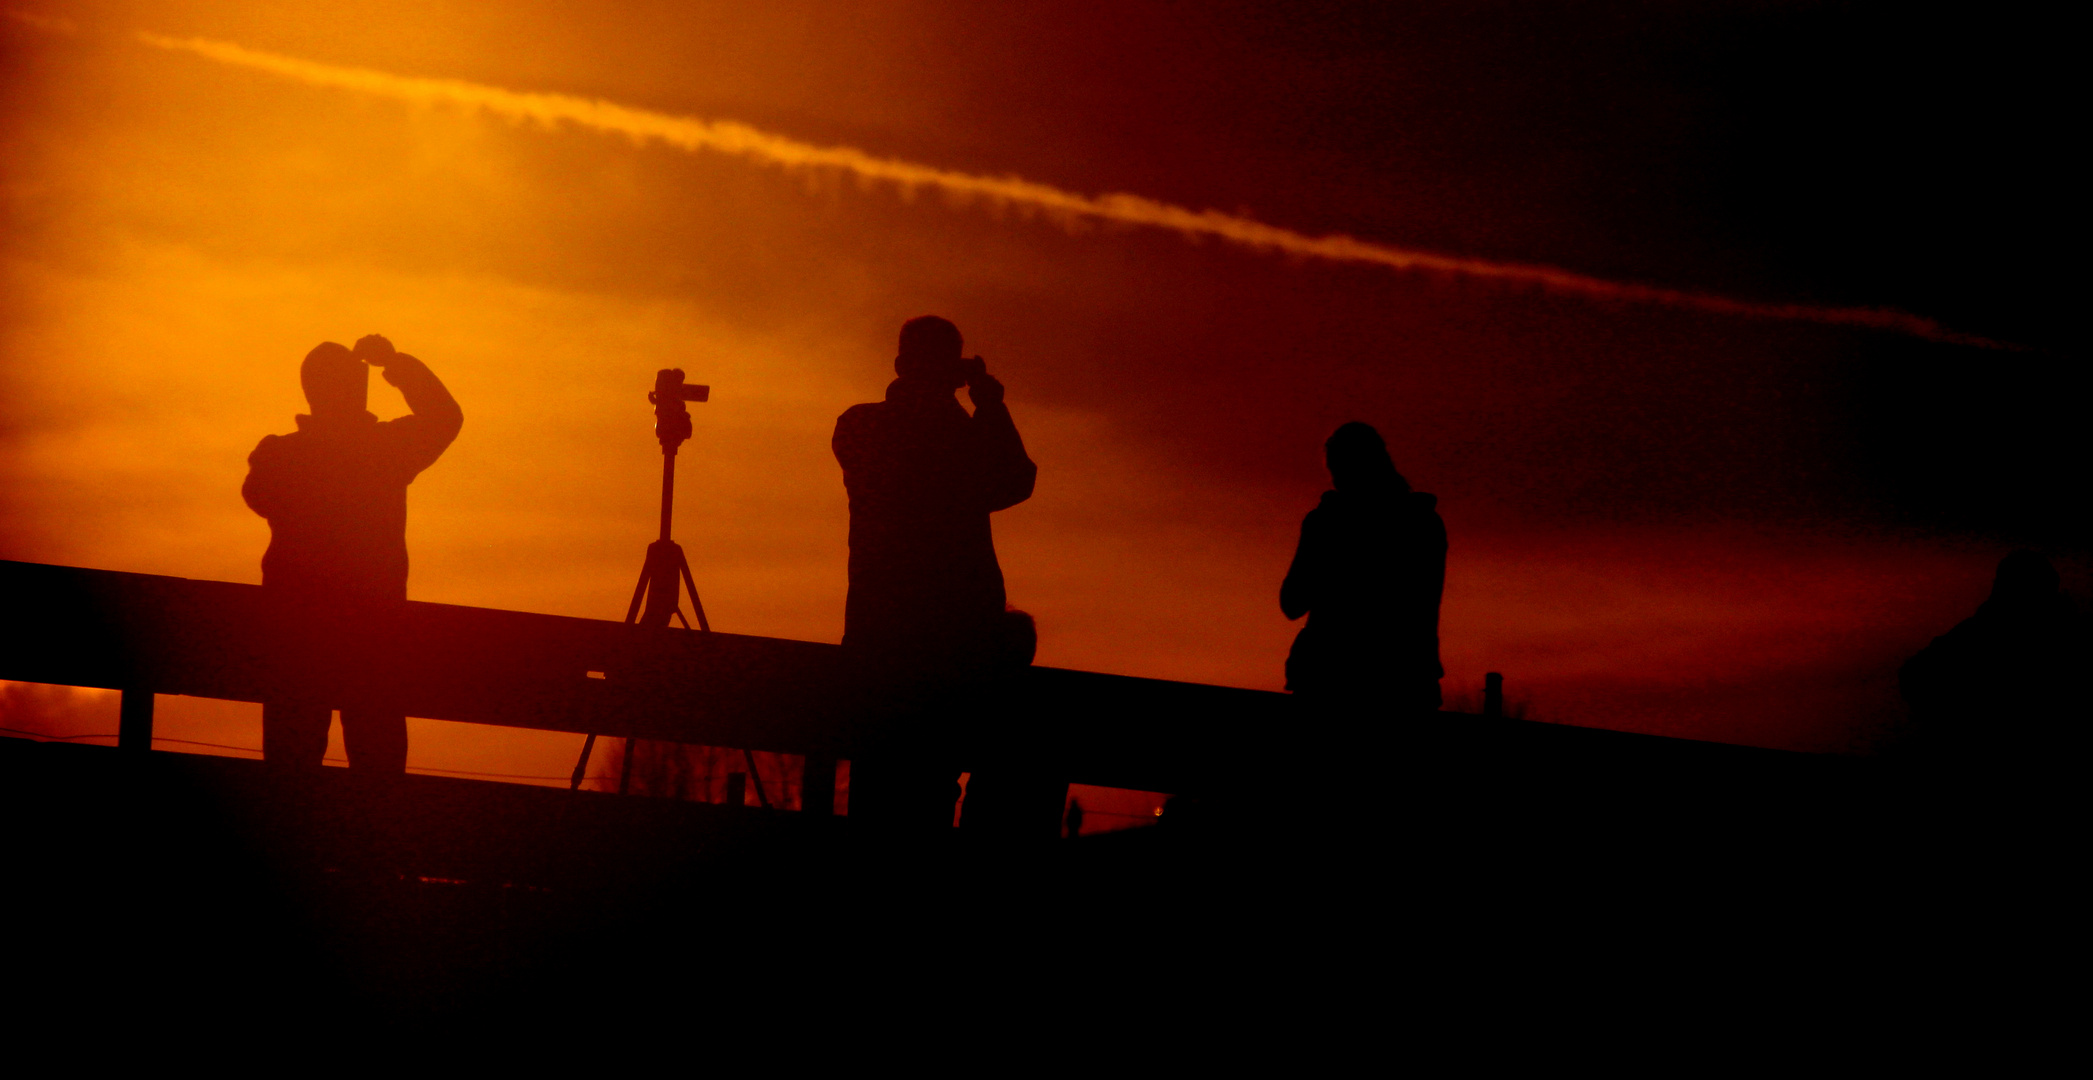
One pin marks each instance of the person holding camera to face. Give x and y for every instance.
(926, 607)
(335, 495)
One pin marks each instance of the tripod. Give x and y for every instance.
(666, 572)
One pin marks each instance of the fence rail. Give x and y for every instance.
(145, 634)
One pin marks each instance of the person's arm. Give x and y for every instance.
(1438, 578)
(848, 443)
(436, 419)
(1438, 586)
(1920, 681)
(855, 444)
(263, 488)
(1297, 594)
(1007, 472)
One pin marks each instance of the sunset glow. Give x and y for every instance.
(1648, 476)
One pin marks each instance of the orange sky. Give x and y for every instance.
(1643, 535)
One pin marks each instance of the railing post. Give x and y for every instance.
(134, 724)
(1493, 694)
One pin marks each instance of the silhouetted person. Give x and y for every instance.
(1368, 573)
(2007, 682)
(1074, 819)
(335, 494)
(926, 605)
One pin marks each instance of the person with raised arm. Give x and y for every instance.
(335, 495)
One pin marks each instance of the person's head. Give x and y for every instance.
(2024, 576)
(930, 353)
(336, 382)
(1359, 460)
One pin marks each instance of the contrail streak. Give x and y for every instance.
(741, 140)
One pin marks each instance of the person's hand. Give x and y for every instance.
(981, 386)
(374, 350)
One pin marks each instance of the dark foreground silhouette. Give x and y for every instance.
(1368, 573)
(175, 889)
(2008, 682)
(335, 494)
(926, 605)
(181, 888)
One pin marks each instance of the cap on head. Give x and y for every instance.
(335, 381)
(1358, 459)
(930, 350)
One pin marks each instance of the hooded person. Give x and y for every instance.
(335, 496)
(926, 606)
(2009, 682)
(1368, 573)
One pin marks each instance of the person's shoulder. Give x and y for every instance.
(862, 416)
(272, 446)
(1326, 510)
(1424, 502)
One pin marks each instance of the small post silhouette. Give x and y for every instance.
(737, 789)
(1493, 694)
(134, 727)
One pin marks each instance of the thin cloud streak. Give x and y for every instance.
(1067, 208)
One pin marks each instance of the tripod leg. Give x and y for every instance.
(582, 767)
(663, 586)
(632, 614)
(632, 611)
(755, 778)
(696, 604)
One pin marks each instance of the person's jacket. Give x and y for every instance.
(335, 490)
(1369, 573)
(2007, 681)
(923, 476)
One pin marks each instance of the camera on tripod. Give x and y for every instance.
(666, 574)
(671, 419)
(665, 562)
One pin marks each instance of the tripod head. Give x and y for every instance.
(671, 419)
